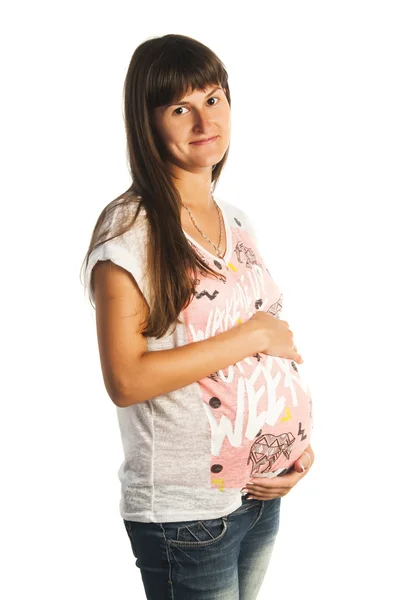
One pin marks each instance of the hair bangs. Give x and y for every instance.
(180, 71)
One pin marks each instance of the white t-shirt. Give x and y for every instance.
(188, 453)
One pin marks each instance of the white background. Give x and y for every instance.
(313, 161)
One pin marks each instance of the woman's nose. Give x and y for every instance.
(201, 121)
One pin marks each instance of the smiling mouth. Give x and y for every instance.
(208, 141)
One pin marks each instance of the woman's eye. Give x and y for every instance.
(181, 107)
(213, 98)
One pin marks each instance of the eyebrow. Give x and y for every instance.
(182, 103)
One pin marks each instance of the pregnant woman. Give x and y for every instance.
(215, 417)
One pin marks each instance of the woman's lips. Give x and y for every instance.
(204, 141)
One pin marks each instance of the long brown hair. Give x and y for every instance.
(161, 71)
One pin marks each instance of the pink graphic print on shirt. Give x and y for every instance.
(259, 409)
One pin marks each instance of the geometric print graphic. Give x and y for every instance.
(244, 254)
(266, 450)
(276, 308)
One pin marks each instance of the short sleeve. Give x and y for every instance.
(127, 251)
(250, 228)
(246, 223)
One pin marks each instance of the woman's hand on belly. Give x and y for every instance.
(267, 489)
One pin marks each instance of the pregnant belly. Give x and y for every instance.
(285, 434)
(263, 426)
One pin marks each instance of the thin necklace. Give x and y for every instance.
(217, 248)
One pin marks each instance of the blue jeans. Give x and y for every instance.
(215, 559)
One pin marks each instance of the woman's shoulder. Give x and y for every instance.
(121, 239)
(234, 213)
(122, 219)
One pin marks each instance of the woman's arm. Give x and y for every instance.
(163, 371)
(131, 373)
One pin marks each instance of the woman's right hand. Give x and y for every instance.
(277, 339)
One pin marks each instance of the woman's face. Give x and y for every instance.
(198, 116)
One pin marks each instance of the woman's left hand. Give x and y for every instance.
(267, 489)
